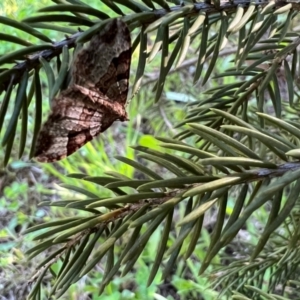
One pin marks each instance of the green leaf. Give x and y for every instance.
(203, 49)
(61, 74)
(23, 126)
(162, 248)
(217, 46)
(22, 53)
(179, 182)
(24, 27)
(60, 18)
(141, 63)
(133, 198)
(38, 111)
(267, 140)
(214, 185)
(20, 98)
(5, 101)
(198, 212)
(75, 8)
(14, 39)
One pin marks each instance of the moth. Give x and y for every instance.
(94, 100)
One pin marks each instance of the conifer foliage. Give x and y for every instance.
(238, 143)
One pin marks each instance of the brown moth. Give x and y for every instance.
(94, 100)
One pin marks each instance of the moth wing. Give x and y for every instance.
(95, 98)
(104, 65)
(70, 126)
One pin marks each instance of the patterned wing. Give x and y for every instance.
(74, 121)
(103, 66)
(95, 99)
